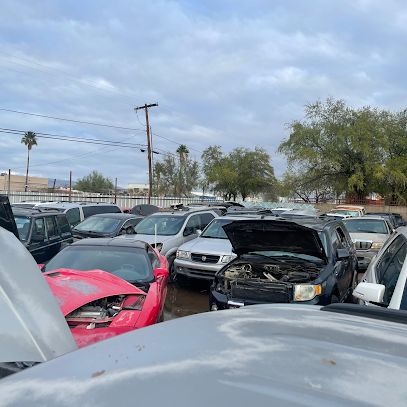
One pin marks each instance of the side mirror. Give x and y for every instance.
(37, 237)
(160, 273)
(199, 232)
(123, 232)
(369, 292)
(342, 254)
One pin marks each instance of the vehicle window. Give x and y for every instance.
(39, 227)
(342, 238)
(51, 227)
(155, 262)
(74, 216)
(366, 226)
(98, 224)
(63, 224)
(193, 224)
(323, 238)
(129, 263)
(391, 274)
(335, 240)
(161, 224)
(23, 226)
(206, 218)
(215, 229)
(94, 210)
(387, 256)
(132, 222)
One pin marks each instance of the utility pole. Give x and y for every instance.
(9, 183)
(115, 190)
(149, 152)
(70, 186)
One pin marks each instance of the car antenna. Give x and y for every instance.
(155, 235)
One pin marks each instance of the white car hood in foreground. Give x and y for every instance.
(32, 327)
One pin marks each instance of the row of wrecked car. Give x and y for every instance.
(282, 354)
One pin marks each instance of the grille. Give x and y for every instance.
(260, 291)
(363, 245)
(204, 258)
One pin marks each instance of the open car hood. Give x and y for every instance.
(32, 327)
(6, 216)
(74, 289)
(273, 235)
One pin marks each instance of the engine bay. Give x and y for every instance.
(266, 280)
(100, 313)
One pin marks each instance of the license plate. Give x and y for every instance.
(235, 304)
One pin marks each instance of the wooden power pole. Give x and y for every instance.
(149, 150)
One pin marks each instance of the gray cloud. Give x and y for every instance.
(225, 72)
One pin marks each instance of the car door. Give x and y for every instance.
(54, 240)
(389, 266)
(64, 230)
(38, 244)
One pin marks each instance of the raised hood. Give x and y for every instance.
(273, 235)
(32, 327)
(6, 216)
(73, 289)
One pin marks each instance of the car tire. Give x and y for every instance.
(171, 268)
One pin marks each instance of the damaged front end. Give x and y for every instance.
(259, 281)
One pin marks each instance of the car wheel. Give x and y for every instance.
(171, 268)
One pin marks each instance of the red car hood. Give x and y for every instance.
(74, 288)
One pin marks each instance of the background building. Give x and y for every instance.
(137, 189)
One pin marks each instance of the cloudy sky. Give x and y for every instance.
(228, 72)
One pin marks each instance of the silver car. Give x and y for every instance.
(369, 233)
(266, 355)
(167, 231)
(204, 256)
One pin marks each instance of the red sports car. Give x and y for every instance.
(106, 287)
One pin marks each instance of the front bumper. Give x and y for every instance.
(220, 301)
(196, 270)
(364, 258)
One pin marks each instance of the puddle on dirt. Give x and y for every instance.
(186, 300)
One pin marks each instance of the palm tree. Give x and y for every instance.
(30, 140)
(183, 152)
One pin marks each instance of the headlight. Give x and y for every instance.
(226, 259)
(182, 254)
(158, 246)
(306, 292)
(376, 245)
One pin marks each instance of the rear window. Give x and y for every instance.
(73, 215)
(365, 226)
(94, 210)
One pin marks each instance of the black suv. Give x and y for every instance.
(309, 261)
(43, 232)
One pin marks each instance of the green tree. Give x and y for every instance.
(30, 140)
(242, 172)
(176, 176)
(336, 147)
(94, 182)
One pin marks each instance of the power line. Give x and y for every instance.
(76, 139)
(94, 124)
(72, 120)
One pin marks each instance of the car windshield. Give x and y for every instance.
(160, 225)
(98, 224)
(23, 226)
(215, 229)
(129, 263)
(365, 226)
(345, 212)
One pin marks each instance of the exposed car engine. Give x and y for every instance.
(100, 313)
(266, 281)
